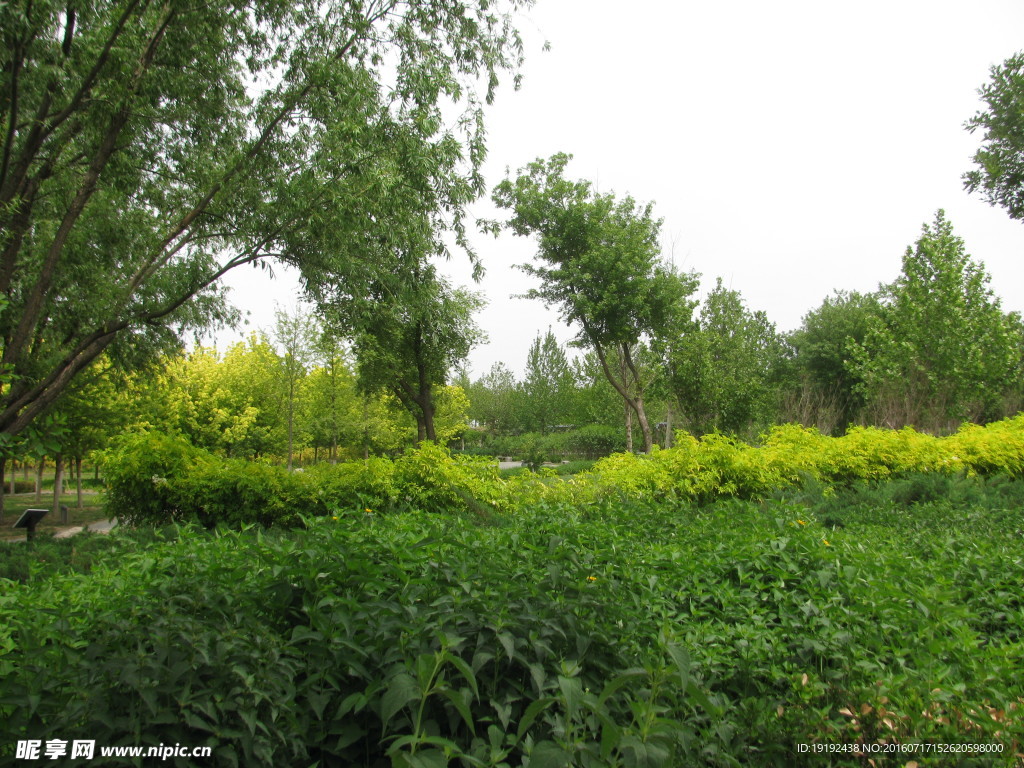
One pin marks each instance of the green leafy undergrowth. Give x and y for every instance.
(601, 634)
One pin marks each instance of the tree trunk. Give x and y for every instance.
(645, 427)
(78, 479)
(629, 427)
(3, 468)
(39, 479)
(58, 488)
(14, 480)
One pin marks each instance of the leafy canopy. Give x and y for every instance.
(147, 148)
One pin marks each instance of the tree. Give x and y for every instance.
(232, 404)
(410, 331)
(940, 349)
(725, 371)
(148, 148)
(823, 350)
(295, 334)
(599, 264)
(494, 399)
(333, 408)
(548, 385)
(1000, 161)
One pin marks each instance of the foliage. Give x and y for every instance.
(1000, 162)
(599, 264)
(149, 148)
(725, 372)
(823, 348)
(940, 349)
(618, 633)
(155, 479)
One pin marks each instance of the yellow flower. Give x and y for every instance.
(801, 522)
(591, 578)
(825, 542)
(369, 510)
(335, 517)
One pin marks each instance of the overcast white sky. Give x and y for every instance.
(792, 148)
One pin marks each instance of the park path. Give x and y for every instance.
(100, 526)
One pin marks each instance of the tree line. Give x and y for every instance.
(146, 150)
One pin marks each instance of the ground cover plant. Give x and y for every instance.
(615, 632)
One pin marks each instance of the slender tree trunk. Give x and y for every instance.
(14, 478)
(668, 425)
(58, 488)
(78, 479)
(291, 421)
(39, 479)
(24, 471)
(629, 427)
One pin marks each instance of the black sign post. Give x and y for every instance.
(29, 520)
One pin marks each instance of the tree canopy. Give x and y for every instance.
(599, 263)
(146, 149)
(999, 174)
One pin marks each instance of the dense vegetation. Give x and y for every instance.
(617, 632)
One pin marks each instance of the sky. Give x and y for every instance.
(792, 148)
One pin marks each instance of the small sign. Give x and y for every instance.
(29, 519)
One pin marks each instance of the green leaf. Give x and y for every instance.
(531, 714)
(402, 689)
(682, 661)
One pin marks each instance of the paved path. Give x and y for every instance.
(101, 526)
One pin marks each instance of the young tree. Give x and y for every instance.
(600, 265)
(232, 404)
(148, 148)
(940, 350)
(725, 372)
(494, 400)
(548, 385)
(295, 334)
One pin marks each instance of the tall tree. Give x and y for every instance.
(148, 148)
(411, 330)
(600, 265)
(494, 399)
(940, 350)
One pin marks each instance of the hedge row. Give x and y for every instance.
(157, 479)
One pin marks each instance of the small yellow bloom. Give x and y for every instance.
(591, 578)
(369, 510)
(801, 522)
(825, 542)
(335, 517)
